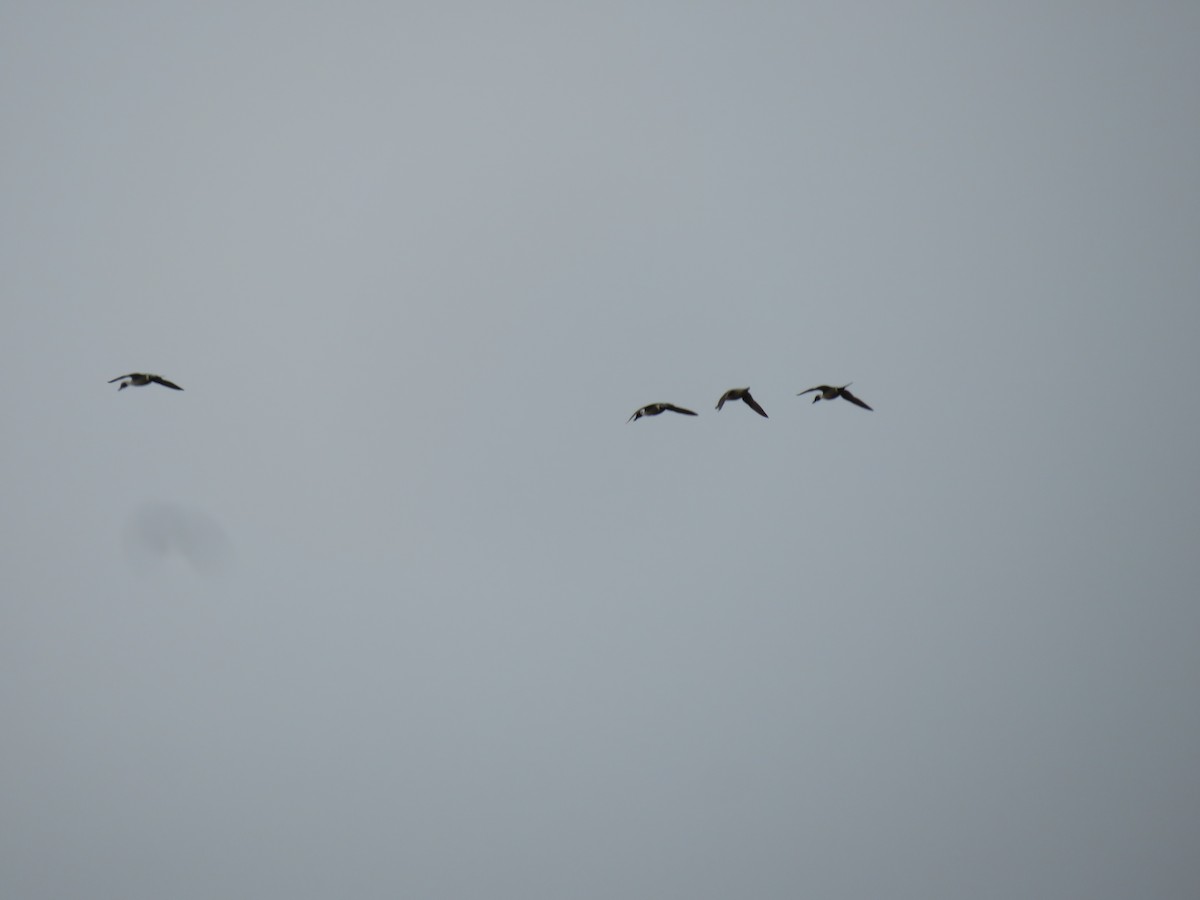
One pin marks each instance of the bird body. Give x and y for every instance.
(742, 394)
(141, 379)
(829, 392)
(653, 409)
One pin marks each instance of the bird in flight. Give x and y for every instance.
(654, 409)
(140, 379)
(742, 394)
(829, 392)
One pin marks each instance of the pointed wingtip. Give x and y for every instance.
(753, 404)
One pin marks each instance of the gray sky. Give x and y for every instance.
(392, 602)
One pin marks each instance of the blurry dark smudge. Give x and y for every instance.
(156, 531)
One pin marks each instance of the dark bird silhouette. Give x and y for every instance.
(829, 392)
(141, 379)
(653, 409)
(744, 395)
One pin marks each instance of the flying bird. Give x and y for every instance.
(141, 379)
(653, 409)
(829, 392)
(742, 394)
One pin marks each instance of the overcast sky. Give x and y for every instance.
(391, 601)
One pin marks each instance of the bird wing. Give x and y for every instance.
(679, 409)
(846, 395)
(750, 402)
(819, 387)
(724, 397)
(636, 414)
(119, 377)
(158, 379)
